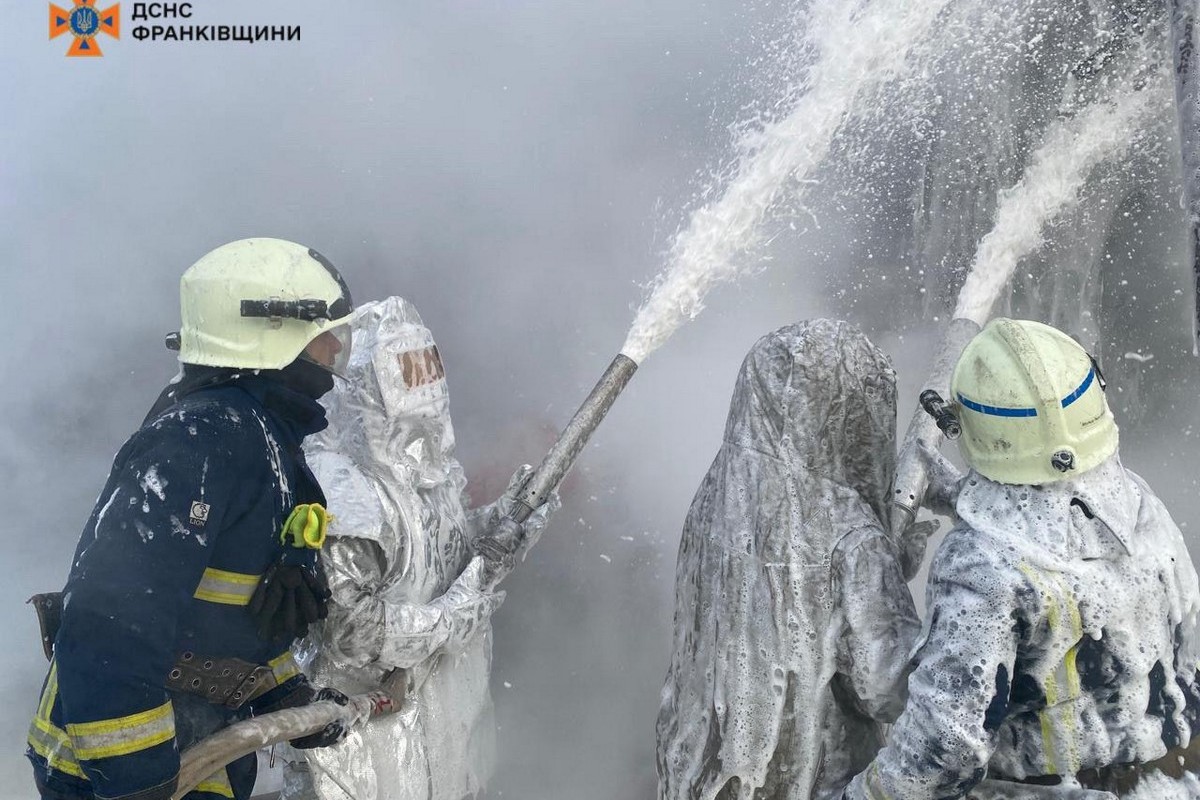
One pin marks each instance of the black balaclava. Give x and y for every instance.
(302, 375)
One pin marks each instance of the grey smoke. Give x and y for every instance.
(516, 170)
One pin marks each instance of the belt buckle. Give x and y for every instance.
(260, 679)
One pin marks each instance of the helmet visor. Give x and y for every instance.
(330, 350)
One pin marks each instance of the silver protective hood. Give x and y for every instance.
(396, 557)
(807, 459)
(392, 414)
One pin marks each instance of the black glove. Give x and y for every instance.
(332, 733)
(289, 598)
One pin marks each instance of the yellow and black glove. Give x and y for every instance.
(294, 593)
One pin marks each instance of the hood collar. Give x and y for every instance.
(296, 410)
(1033, 511)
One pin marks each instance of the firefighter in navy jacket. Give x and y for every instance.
(198, 565)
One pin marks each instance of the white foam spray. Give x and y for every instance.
(1157, 786)
(859, 48)
(1051, 185)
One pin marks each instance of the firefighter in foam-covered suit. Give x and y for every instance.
(198, 565)
(793, 621)
(1061, 634)
(407, 592)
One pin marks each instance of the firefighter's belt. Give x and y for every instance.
(49, 608)
(230, 682)
(1121, 779)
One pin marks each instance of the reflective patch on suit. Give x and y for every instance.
(421, 367)
(413, 380)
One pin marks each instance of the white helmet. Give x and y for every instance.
(1031, 402)
(258, 303)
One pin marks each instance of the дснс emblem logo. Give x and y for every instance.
(84, 22)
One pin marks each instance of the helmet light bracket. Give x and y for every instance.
(947, 421)
(1099, 375)
(305, 310)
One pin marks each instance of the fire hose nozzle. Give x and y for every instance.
(937, 408)
(573, 439)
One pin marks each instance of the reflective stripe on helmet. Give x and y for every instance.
(996, 411)
(1083, 387)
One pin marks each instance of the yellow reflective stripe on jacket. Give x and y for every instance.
(1060, 741)
(50, 693)
(284, 667)
(217, 783)
(48, 740)
(871, 788)
(121, 736)
(53, 744)
(227, 588)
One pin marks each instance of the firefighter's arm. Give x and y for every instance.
(370, 543)
(958, 694)
(365, 626)
(881, 624)
(141, 558)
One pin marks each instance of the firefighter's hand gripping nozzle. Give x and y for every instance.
(509, 535)
(502, 541)
(939, 409)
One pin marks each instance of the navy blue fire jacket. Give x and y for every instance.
(185, 527)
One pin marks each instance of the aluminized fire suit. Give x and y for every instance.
(793, 622)
(406, 592)
(1061, 637)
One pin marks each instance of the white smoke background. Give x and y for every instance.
(517, 170)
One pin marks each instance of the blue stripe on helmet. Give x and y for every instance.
(996, 411)
(1083, 387)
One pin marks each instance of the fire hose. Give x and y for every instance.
(245, 737)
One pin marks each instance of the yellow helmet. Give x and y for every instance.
(1031, 402)
(258, 303)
